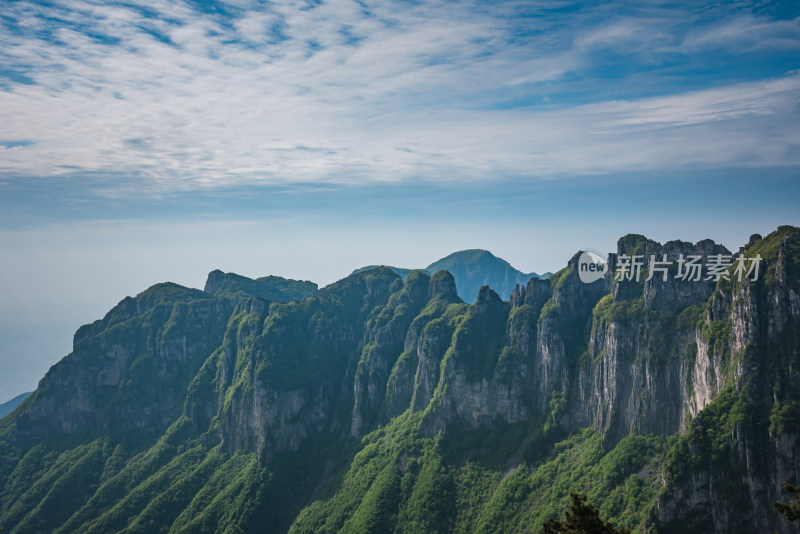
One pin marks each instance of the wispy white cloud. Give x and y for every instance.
(711, 128)
(746, 33)
(350, 92)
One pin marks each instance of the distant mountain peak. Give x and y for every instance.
(474, 268)
(471, 269)
(471, 253)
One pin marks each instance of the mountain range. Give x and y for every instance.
(386, 403)
(473, 269)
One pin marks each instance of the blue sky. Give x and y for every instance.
(150, 141)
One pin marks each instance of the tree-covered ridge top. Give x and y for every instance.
(272, 288)
(780, 251)
(401, 271)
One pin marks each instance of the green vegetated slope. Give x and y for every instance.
(400, 481)
(375, 405)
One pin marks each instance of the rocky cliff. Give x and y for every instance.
(270, 405)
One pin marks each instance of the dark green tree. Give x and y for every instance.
(790, 510)
(581, 518)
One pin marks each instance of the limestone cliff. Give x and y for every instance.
(287, 381)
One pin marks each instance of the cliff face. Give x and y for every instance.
(729, 466)
(707, 367)
(645, 350)
(129, 371)
(282, 369)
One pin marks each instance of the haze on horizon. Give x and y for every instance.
(143, 142)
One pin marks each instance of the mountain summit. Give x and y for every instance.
(473, 269)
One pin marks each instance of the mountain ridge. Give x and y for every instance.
(377, 404)
(472, 269)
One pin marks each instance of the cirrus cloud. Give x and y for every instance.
(176, 97)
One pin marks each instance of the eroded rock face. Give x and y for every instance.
(743, 374)
(637, 381)
(675, 294)
(131, 370)
(384, 341)
(287, 372)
